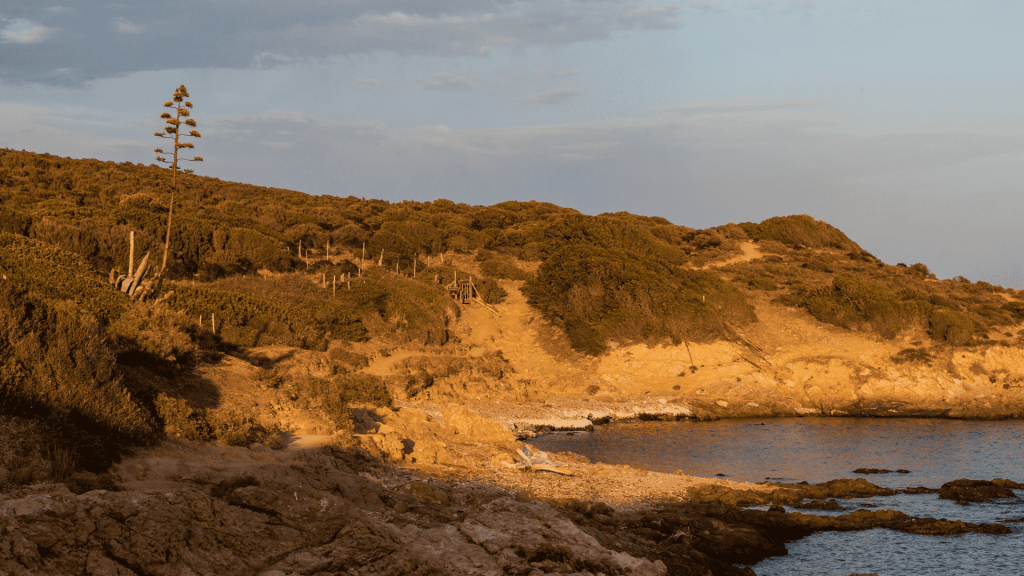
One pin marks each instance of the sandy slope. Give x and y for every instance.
(788, 363)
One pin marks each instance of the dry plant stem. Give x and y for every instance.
(175, 128)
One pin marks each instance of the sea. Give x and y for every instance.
(934, 451)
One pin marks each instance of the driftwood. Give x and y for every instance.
(537, 461)
(546, 468)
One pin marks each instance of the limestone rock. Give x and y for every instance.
(473, 428)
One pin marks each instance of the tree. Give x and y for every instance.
(173, 132)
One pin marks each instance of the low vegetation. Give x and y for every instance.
(852, 289)
(607, 279)
(55, 365)
(248, 266)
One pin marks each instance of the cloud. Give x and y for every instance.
(239, 33)
(786, 9)
(708, 6)
(123, 25)
(363, 84)
(22, 31)
(451, 81)
(653, 17)
(556, 96)
(553, 73)
(743, 106)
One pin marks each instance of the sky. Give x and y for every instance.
(898, 121)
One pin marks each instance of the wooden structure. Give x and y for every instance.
(462, 291)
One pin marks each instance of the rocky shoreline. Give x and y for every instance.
(425, 495)
(559, 414)
(216, 510)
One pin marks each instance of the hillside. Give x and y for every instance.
(311, 342)
(270, 294)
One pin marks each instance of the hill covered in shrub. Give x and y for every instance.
(618, 277)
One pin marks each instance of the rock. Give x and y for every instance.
(470, 427)
(503, 459)
(819, 505)
(872, 471)
(964, 490)
(409, 435)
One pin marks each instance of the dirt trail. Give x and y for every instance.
(526, 341)
(750, 252)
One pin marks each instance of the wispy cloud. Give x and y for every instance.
(785, 8)
(654, 16)
(556, 96)
(550, 72)
(708, 6)
(451, 81)
(311, 30)
(741, 106)
(363, 84)
(126, 27)
(22, 31)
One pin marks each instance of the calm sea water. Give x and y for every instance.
(820, 449)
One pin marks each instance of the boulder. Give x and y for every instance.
(471, 427)
(964, 490)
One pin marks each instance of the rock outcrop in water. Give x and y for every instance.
(965, 491)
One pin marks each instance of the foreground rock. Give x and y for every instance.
(224, 511)
(965, 491)
(316, 512)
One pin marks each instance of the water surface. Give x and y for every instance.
(811, 449)
(821, 449)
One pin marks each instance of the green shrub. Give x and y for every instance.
(498, 266)
(56, 275)
(757, 281)
(921, 270)
(912, 355)
(800, 230)
(287, 310)
(362, 388)
(851, 303)
(348, 358)
(54, 363)
(235, 428)
(14, 221)
(180, 419)
(151, 333)
(599, 286)
(334, 395)
(951, 326)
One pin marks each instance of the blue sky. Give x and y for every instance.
(897, 121)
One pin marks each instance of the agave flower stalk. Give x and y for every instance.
(173, 131)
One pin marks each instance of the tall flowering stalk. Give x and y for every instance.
(173, 131)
